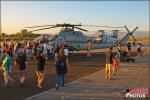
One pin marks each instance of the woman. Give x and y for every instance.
(62, 65)
(56, 51)
(22, 65)
(40, 69)
(6, 67)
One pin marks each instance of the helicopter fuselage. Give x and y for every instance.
(78, 41)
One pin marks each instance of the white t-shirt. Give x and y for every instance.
(66, 52)
(138, 46)
(51, 48)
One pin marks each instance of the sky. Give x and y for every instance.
(15, 15)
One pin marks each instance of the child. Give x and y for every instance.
(115, 64)
(40, 69)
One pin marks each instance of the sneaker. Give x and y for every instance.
(110, 79)
(21, 84)
(40, 87)
(6, 84)
(63, 86)
(57, 87)
(106, 77)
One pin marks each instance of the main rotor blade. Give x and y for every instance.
(81, 29)
(66, 25)
(102, 26)
(127, 29)
(43, 29)
(39, 26)
(135, 29)
(132, 34)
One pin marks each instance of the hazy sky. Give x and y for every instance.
(18, 14)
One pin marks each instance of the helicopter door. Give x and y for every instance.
(115, 33)
(78, 47)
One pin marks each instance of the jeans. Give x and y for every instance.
(60, 79)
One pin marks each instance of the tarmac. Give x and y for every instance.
(96, 87)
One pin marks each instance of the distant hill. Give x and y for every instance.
(142, 34)
(138, 34)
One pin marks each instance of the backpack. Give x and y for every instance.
(60, 62)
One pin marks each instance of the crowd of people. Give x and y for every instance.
(122, 55)
(40, 51)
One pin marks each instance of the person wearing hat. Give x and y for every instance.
(6, 67)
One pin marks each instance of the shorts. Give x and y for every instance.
(6, 73)
(40, 71)
(115, 66)
(108, 67)
(138, 50)
(22, 72)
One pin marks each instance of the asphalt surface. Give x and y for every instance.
(95, 87)
(81, 66)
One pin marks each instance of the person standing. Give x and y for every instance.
(119, 51)
(66, 51)
(6, 67)
(40, 69)
(89, 47)
(129, 47)
(51, 50)
(56, 50)
(17, 46)
(62, 65)
(30, 51)
(115, 64)
(22, 65)
(3, 54)
(1, 50)
(45, 50)
(108, 68)
(139, 50)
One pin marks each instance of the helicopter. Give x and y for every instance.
(77, 40)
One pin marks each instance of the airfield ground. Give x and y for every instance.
(84, 74)
(96, 87)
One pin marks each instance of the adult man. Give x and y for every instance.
(139, 51)
(108, 68)
(129, 47)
